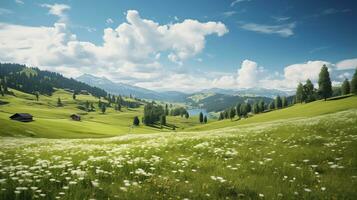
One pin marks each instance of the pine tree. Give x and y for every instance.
(232, 113)
(261, 106)
(284, 102)
(74, 96)
(187, 115)
(205, 119)
(238, 109)
(59, 102)
(272, 105)
(244, 110)
(354, 83)
(201, 117)
(166, 110)
(37, 95)
(163, 120)
(308, 90)
(103, 108)
(221, 117)
(325, 87)
(136, 121)
(278, 102)
(300, 93)
(255, 108)
(345, 88)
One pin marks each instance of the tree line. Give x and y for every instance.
(33, 80)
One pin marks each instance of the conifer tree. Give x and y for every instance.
(205, 119)
(261, 106)
(300, 94)
(201, 117)
(238, 109)
(284, 102)
(278, 102)
(37, 95)
(308, 91)
(272, 105)
(166, 110)
(354, 83)
(232, 113)
(136, 121)
(59, 102)
(221, 117)
(325, 86)
(103, 108)
(345, 88)
(187, 115)
(74, 96)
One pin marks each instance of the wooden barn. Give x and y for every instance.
(22, 117)
(76, 117)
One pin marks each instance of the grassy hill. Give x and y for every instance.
(309, 158)
(297, 111)
(51, 121)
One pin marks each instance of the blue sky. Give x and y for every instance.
(262, 43)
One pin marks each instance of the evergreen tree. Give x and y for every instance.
(244, 110)
(153, 113)
(325, 87)
(136, 121)
(201, 117)
(221, 117)
(284, 102)
(166, 110)
(232, 113)
(103, 108)
(345, 88)
(308, 91)
(255, 108)
(278, 102)
(163, 120)
(37, 95)
(59, 102)
(300, 93)
(74, 96)
(119, 107)
(354, 83)
(261, 106)
(187, 115)
(205, 119)
(238, 109)
(272, 105)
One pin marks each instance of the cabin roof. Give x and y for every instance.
(23, 115)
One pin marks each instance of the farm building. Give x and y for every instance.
(76, 117)
(22, 117)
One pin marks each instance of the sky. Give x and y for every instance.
(184, 45)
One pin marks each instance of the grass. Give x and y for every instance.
(297, 111)
(312, 158)
(51, 121)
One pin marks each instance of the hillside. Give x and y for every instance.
(33, 80)
(51, 121)
(312, 109)
(309, 158)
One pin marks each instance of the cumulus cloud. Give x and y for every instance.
(58, 10)
(347, 64)
(284, 30)
(131, 51)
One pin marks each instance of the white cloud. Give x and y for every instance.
(109, 21)
(19, 2)
(131, 52)
(248, 74)
(284, 30)
(280, 18)
(347, 64)
(236, 2)
(4, 11)
(58, 10)
(229, 13)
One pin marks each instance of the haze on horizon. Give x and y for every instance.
(183, 45)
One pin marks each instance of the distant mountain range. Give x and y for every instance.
(126, 89)
(174, 96)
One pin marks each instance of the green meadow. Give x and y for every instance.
(306, 151)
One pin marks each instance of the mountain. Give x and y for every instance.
(250, 92)
(126, 89)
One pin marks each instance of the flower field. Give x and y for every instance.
(313, 158)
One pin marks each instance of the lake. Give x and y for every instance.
(196, 111)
